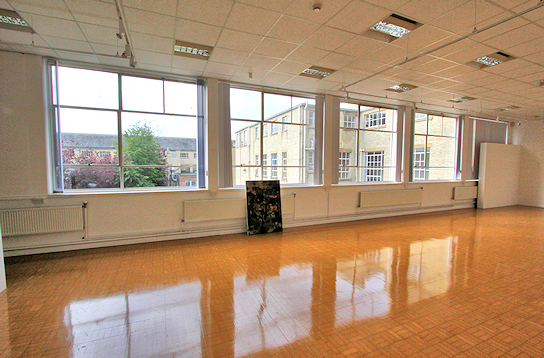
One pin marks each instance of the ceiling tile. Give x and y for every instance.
(276, 5)
(367, 65)
(67, 44)
(292, 29)
(51, 26)
(94, 12)
(307, 54)
(500, 29)
(224, 55)
(242, 75)
(510, 4)
(102, 49)
(425, 11)
(336, 61)
(261, 62)
(328, 38)
(360, 45)
(535, 15)
(19, 37)
(424, 37)
(536, 57)
(278, 78)
(5, 5)
(303, 9)
(217, 68)
(167, 7)
(251, 19)
(52, 8)
(472, 51)
(345, 77)
(516, 37)
(101, 34)
(290, 67)
(507, 66)
(522, 72)
(212, 12)
(188, 63)
(357, 17)
(274, 48)
(155, 58)
(388, 4)
(465, 17)
(111, 61)
(435, 66)
(149, 23)
(454, 71)
(387, 55)
(236, 40)
(197, 32)
(185, 72)
(72, 56)
(152, 43)
(534, 77)
(527, 48)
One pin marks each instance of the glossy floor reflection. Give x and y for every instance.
(466, 283)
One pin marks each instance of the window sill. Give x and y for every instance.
(114, 191)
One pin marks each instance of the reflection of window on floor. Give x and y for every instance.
(374, 166)
(345, 162)
(421, 170)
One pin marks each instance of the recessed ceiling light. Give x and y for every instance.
(490, 60)
(13, 21)
(461, 99)
(509, 108)
(391, 28)
(192, 50)
(403, 87)
(317, 72)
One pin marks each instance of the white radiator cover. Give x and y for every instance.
(465, 192)
(29, 221)
(379, 198)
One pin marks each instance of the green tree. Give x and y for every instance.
(141, 147)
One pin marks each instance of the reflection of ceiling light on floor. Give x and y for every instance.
(317, 72)
(192, 50)
(13, 21)
(462, 99)
(403, 87)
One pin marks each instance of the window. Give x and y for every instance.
(310, 156)
(436, 134)
(194, 155)
(190, 183)
(256, 159)
(252, 109)
(375, 119)
(274, 159)
(256, 132)
(135, 122)
(284, 165)
(184, 155)
(371, 135)
(311, 118)
(345, 162)
(245, 138)
(373, 166)
(274, 127)
(350, 119)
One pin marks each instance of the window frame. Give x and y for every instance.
(53, 109)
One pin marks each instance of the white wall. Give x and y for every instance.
(142, 216)
(499, 175)
(531, 182)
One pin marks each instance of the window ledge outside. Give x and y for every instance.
(78, 192)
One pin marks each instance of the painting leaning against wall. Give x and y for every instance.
(263, 206)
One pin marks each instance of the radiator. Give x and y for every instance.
(41, 220)
(465, 192)
(225, 209)
(371, 199)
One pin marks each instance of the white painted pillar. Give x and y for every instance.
(2, 267)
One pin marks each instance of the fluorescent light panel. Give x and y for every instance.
(192, 50)
(391, 28)
(509, 108)
(462, 99)
(13, 21)
(317, 72)
(403, 87)
(490, 60)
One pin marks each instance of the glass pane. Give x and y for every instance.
(348, 143)
(441, 152)
(245, 104)
(377, 148)
(142, 94)
(277, 107)
(444, 126)
(349, 114)
(246, 144)
(88, 88)
(143, 177)
(297, 175)
(90, 177)
(159, 139)
(241, 174)
(180, 98)
(441, 174)
(183, 176)
(420, 125)
(88, 137)
(378, 119)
